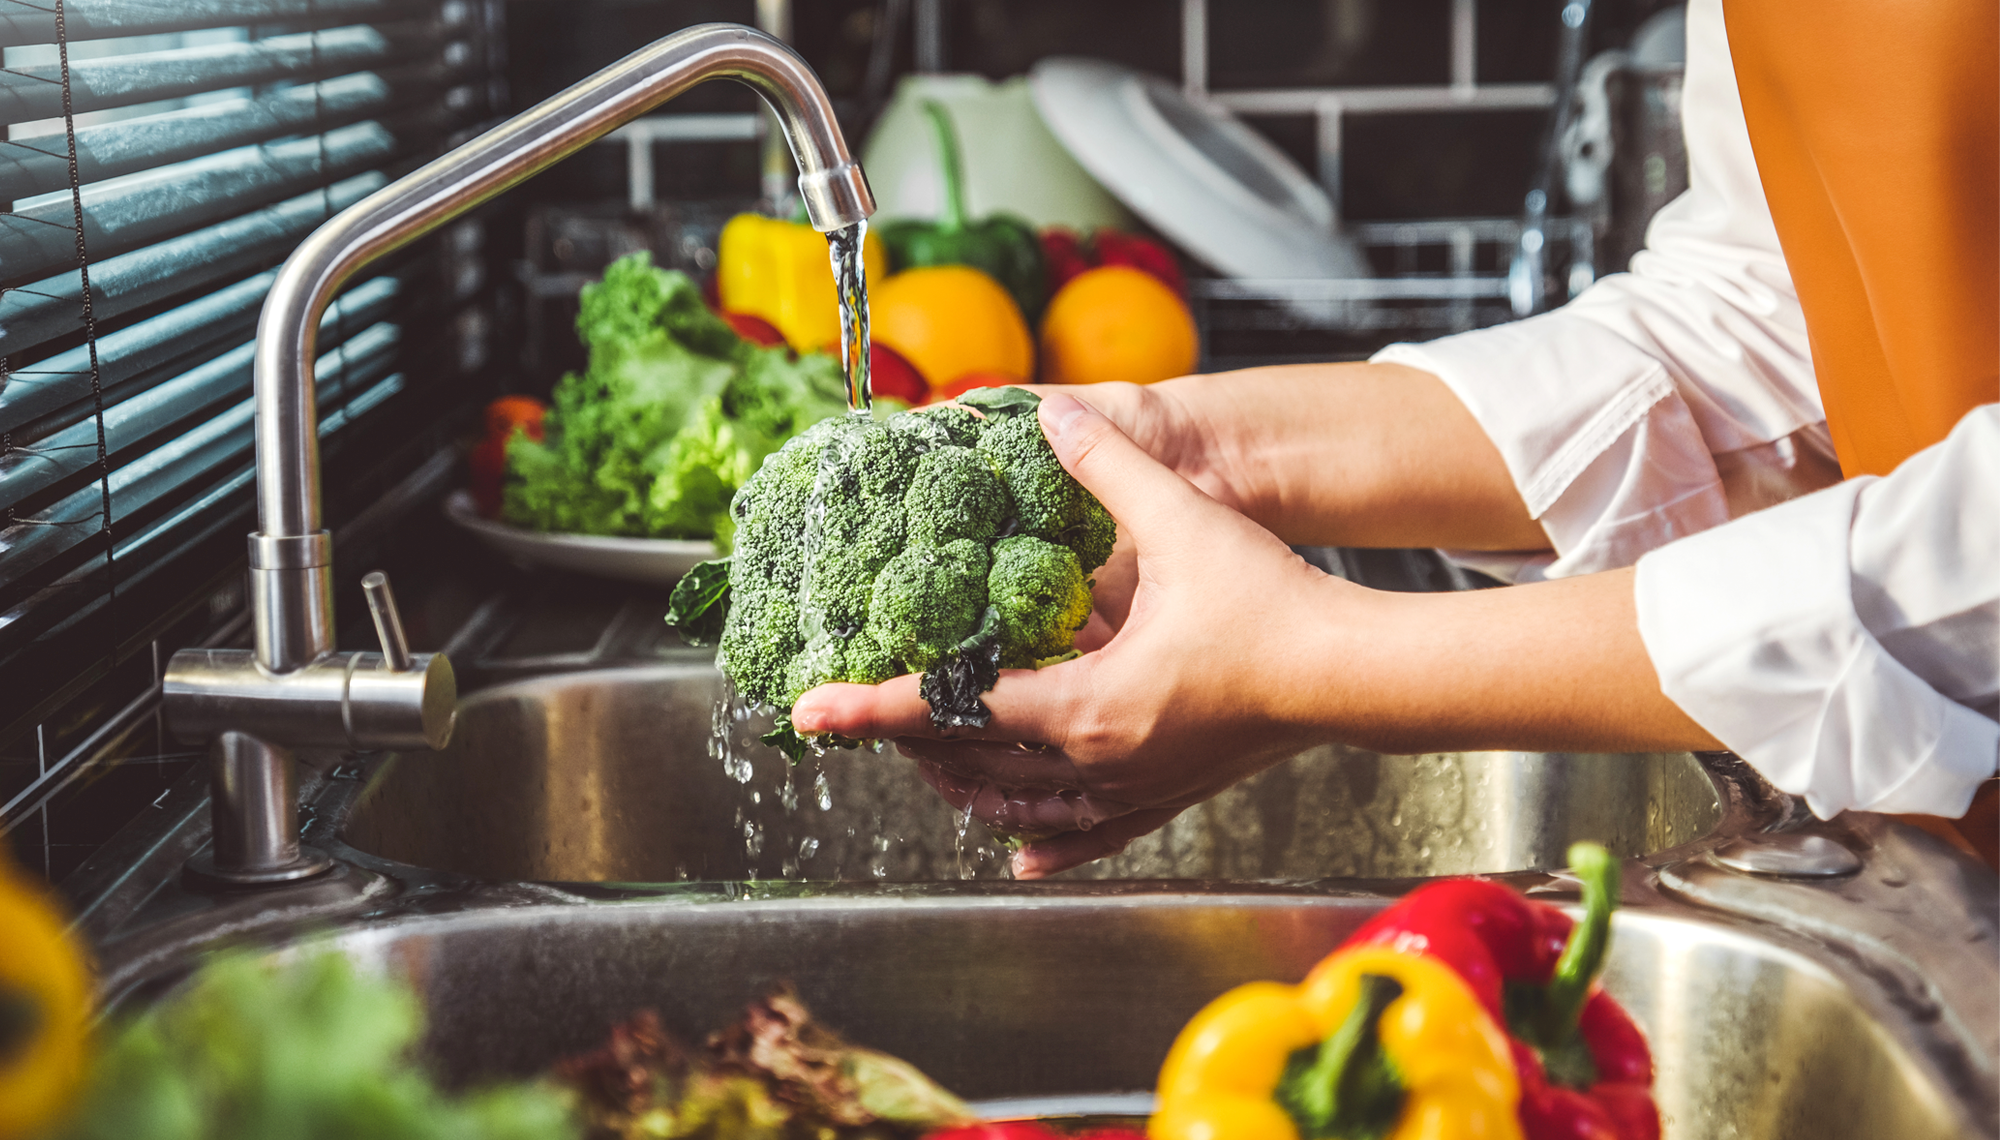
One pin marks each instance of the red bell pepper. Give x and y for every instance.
(488, 462)
(1065, 255)
(1585, 1070)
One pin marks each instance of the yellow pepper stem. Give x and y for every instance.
(1348, 1082)
(19, 1018)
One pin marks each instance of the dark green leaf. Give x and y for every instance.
(700, 602)
(786, 739)
(954, 681)
(999, 403)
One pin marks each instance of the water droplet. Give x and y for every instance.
(823, 793)
(808, 847)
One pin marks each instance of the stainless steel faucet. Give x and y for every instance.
(292, 690)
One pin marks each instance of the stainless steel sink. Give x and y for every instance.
(1071, 992)
(614, 776)
(523, 881)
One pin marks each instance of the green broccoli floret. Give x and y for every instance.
(927, 600)
(1042, 598)
(1048, 503)
(946, 541)
(955, 494)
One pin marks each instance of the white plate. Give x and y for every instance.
(652, 561)
(1197, 173)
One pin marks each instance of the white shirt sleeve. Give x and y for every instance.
(1668, 399)
(1847, 643)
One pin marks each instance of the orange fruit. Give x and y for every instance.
(949, 320)
(1117, 323)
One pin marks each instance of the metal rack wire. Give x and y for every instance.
(1432, 276)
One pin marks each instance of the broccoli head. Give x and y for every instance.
(947, 541)
(1042, 597)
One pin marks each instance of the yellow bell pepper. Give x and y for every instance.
(1394, 1034)
(781, 271)
(44, 1008)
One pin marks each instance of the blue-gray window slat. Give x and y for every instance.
(222, 504)
(31, 93)
(121, 216)
(180, 461)
(53, 306)
(45, 387)
(35, 23)
(28, 470)
(41, 165)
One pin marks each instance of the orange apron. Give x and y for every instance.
(1876, 126)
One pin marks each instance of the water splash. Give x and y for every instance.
(730, 711)
(850, 277)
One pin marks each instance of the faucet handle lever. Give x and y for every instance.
(388, 623)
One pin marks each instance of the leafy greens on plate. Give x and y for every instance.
(672, 415)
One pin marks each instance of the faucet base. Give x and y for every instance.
(202, 874)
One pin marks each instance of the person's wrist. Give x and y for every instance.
(1326, 673)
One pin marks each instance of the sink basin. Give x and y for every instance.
(612, 776)
(1066, 995)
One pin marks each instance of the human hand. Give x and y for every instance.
(1205, 680)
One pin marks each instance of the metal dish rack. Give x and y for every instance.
(1433, 277)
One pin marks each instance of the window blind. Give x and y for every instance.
(159, 159)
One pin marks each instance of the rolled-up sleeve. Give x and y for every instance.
(1847, 643)
(1625, 415)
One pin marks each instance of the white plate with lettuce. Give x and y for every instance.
(648, 561)
(674, 412)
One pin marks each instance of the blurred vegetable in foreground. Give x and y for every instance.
(1000, 245)
(307, 1049)
(44, 1007)
(673, 414)
(774, 1075)
(781, 271)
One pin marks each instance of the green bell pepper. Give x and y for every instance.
(1001, 245)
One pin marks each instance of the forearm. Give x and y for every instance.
(1340, 455)
(1553, 666)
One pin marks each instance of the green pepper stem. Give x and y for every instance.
(949, 164)
(1589, 941)
(1318, 1092)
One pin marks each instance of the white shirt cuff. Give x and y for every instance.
(1753, 631)
(1599, 443)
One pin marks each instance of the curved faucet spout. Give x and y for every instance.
(288, 558)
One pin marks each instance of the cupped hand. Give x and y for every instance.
(1206, 680)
